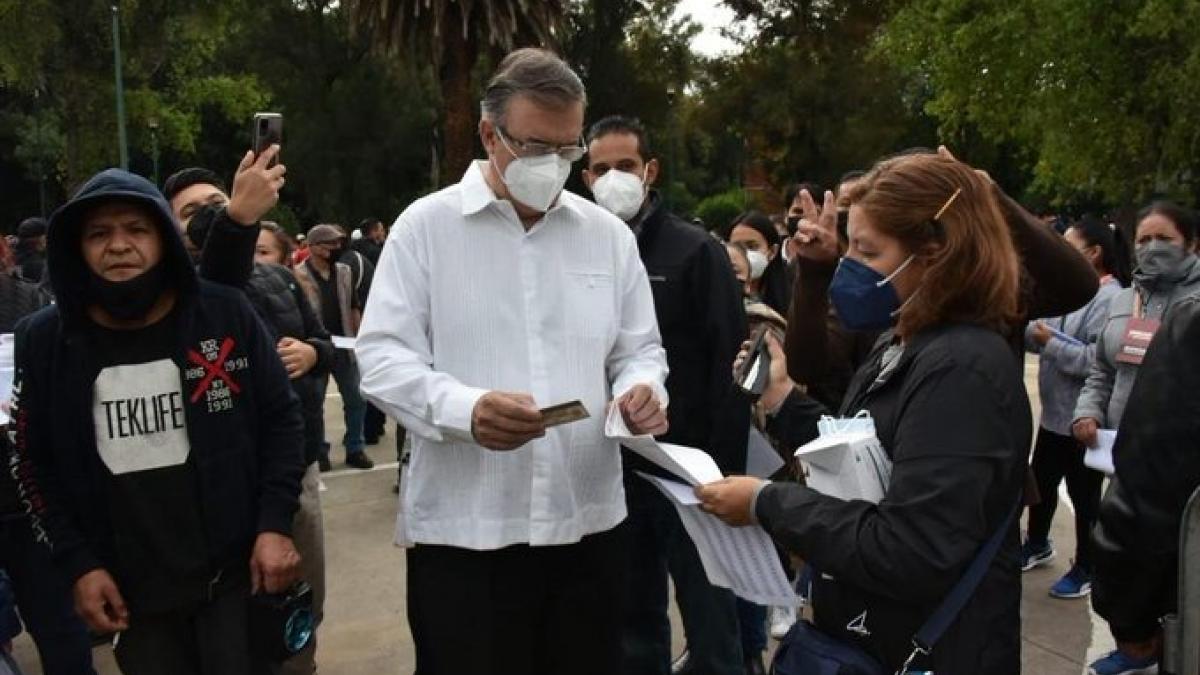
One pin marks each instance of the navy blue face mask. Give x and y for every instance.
(865, 299)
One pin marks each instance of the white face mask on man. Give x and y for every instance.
(620, 192)
(534, 181)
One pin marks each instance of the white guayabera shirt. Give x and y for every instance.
(465, 301)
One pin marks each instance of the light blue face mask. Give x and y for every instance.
(863, 298)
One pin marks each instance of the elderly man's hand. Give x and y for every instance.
(643, 412)
(506, 420)
(730, 499)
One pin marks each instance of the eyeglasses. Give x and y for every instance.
(519, 148)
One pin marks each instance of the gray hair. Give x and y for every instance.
(537, 73)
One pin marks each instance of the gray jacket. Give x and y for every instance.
(1107, 388)
(1066, 363)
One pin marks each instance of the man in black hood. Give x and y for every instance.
(156, 438)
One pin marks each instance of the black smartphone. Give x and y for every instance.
(755, 372)
(267, 131)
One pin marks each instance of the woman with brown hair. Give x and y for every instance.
(931, 259)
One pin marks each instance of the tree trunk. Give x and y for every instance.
(458, 104)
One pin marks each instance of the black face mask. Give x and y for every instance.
(127, 300)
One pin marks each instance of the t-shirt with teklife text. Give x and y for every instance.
(154, 496)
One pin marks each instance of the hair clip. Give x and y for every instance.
(947, 204)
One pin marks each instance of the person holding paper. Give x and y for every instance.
(494, 298)
(1067, 348)
(931, 262)
(1166, 272)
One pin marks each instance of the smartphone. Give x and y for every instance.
(267, 131)
(753, 376)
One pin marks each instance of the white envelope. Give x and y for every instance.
(1100, 457)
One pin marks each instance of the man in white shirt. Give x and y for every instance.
(494, 298)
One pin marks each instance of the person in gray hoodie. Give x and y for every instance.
(1167, 271)
(1067, 349)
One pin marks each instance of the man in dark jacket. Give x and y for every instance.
(31, 249)
(700, 315)
(1157, 470)
(43, 595)
(226, 232)
(156, 439)
(371, 243)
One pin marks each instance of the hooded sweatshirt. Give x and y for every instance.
(158, 453)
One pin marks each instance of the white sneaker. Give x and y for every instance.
(782, 619)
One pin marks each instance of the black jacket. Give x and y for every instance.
(228, 258)
(699, 307)
(247, 456)
(955, 419)
(1157, 460)
(362, 273)
(369, 249)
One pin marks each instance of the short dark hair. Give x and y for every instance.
(794, 189)
(622, 124)
(369, 224)
(185, 178)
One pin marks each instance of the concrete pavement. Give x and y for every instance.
(365, 631)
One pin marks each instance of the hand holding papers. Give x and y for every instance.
(742, 559)
(1100, 457)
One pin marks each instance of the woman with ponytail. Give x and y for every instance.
(1067, 346)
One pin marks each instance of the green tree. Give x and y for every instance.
(453, 35)
(1096, 98)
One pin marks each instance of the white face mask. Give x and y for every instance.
(758, 264)
(535, 181)
(620, 193)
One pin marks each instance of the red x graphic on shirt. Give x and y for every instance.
(213, 370)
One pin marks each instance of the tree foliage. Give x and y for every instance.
(1098, 98)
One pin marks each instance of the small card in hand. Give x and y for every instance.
(564, 413)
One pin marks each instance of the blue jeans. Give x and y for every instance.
(659, 545)
(354, 406)
(44, 598)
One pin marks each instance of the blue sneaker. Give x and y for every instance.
(1119, 663)
(1035, 555)
(1075, 584)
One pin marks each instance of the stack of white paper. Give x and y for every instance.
(742, 559)
(1100, 457)
(847, 465)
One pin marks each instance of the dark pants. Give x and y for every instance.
(45, 600)
(401, 435)
(544, 610)
(1056, 457)
(209, 640)
(373, 423)
(659, 545)
(753, 622)
(354, 407)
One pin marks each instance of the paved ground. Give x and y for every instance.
(365, 631)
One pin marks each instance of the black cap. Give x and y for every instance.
(32, 227)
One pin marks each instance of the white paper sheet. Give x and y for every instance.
(6, 375)
(688, 464)
(343, 342)
(847, 466)
(761, 459)
(742, 559)
(1100, 457)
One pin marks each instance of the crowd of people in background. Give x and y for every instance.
(174, 349)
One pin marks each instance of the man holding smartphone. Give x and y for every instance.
(495, 298)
